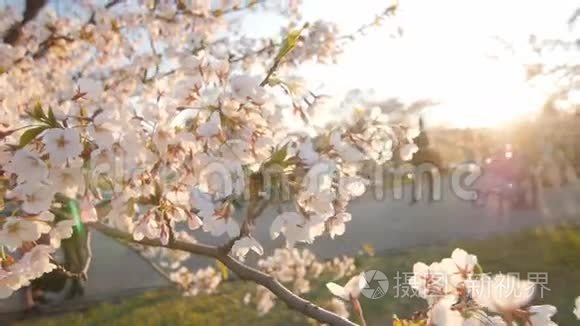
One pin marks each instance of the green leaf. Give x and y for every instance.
(30, 134)
(223, 269)
(51, 119)
(289, 43)
(37, 113)
(275, 80)
(279, 156)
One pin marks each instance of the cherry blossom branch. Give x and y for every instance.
(183, 10)
(53, 39)
(271, 46)
(31, 10)
(389, 11)
(243, 271)
(108, 5)
(266, 49)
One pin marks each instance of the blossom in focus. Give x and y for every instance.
(542, 315)
(62, 144)
(296, 228)
(445, 312)
(428, 280)
(501, 293)
(147, 228)
(459, 267)
(35, 262)
(35, 197)
(62, 230)
(103, 131)
(17, 230)
(352, 288)
(27, 166)
(68, 180)
(9, 282)
(442, 313)
(246, 244)
(218, 225)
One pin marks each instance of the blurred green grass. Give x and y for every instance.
(555, 251)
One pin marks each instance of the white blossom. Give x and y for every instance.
(27, 166)
(103, 130)
(542, 315)
(35, 197)
(147, 228)
(336, 224)
(202, 203)
(246, 244)
(211, 127)
(62, 230)
(351, 290)
(10, 281)
(502, 293)
(35, 262)
(68, 180)
(17, 230)
(247, 87)
(296, 228)
(218, 225)
(429, 280)
(459, 267)
(62, 144)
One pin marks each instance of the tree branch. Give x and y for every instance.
(30, 11)
(243, 271)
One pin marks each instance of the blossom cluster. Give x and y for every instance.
(144, 120)
(458, 293)
(298, 269)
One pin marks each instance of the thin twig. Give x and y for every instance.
(243, 271)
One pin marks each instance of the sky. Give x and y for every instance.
(448, 53)
(445, 54)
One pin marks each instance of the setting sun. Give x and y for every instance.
(453, 52)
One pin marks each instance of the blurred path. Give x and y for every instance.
(385, 224)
